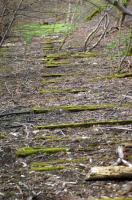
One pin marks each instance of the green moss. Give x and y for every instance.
(124, 75)
(94, 14)
(48, 168)
(67, 55)
(74, 91)
(2, 136)
(27, 151)
(47, 82)
(61, 161)
(84, 54)
(85, 124)
(51, 64)
(78, 108)
(129, 52)
(58, 56)
(48, 47)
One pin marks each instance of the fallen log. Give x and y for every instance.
(109, 173)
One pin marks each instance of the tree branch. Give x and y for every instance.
(120, 7)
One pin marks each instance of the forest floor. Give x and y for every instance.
(41, 86)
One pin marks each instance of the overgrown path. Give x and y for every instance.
(62, 112)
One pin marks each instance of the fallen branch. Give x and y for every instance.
(104, 32)
(110, 173)
(120, 7)
(86, 43)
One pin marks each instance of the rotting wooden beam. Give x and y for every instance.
(109, 173)
(84, 124)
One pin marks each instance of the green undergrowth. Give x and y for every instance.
(64, 91)
(84, 124)
(31, 30)
(78, 108)
(27, 151)
(94, 14)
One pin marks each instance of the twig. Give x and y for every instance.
(16, 113)
(94, 31)
(121, 160)
(127, 96)
(10, 24)
(120, 7)
(103, 34)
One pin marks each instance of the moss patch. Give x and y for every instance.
(48, 168)
(51, 64)
(47, 82)
(94, 14)
(27, 151)
(66, 55)
(124, 75)
(78, 108)
(85, 54)
(58, 56)
(74, 91)
(85, 124)
(2, 136)
(61, 161)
